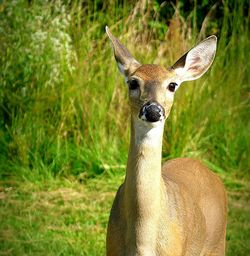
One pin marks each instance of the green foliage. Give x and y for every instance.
(62, 109)
(53, 106)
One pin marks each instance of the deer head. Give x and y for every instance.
(152, 87)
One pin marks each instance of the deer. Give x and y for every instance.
(180, 207)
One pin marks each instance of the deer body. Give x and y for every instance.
(175, 209)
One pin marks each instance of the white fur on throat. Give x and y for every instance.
(148, 134)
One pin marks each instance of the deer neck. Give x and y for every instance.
(145, 152)
(143, 183)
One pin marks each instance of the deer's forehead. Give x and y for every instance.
(152, 72)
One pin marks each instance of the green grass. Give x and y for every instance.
(69, 217)
(64, 122)
(63, 102)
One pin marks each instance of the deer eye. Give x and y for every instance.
(133, 84)
(172, 86)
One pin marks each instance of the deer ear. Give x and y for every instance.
(197, 61)
(125, 61)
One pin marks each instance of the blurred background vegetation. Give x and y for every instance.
(64, 117)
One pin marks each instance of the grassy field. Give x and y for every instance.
(64, 122)
(69, 217)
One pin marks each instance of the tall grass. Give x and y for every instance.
(63, 104)
(64, 112)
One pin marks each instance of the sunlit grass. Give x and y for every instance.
(69, 217)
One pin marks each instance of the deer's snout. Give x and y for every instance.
(152, 112)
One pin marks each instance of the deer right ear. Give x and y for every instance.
(197, 61)
(125, 61)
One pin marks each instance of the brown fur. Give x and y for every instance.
(174, 210)
(151, 72)
(191, 216)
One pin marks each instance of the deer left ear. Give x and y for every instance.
(197, 61)
(126, 63)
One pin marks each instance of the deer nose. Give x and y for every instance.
(152, 112)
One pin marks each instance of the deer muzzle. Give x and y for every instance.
(152, 112)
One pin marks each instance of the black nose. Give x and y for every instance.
(151, 112)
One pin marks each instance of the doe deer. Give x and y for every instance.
(179, 208)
